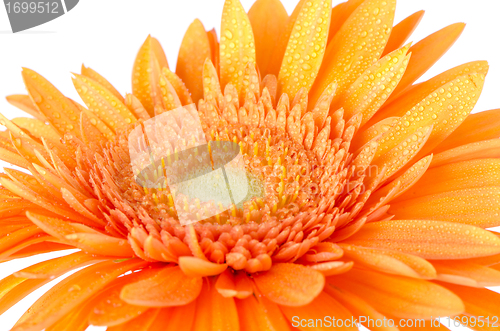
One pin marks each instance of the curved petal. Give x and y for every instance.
(237, 45)
(475, 206)
(146, 72)
(305, 48)
(71, 292)
(470, 174)
(480, 126)
(427, 52)
(358, 44)
(466, 273)
(215, 312)
(478, 150)
(141, 323)
(196, 267)
(174, 318)
(58, 109)
(268, 18)
(435, 240)
(108, 309)
(400, 296)
(402, 31)
(482, 303)
(168, 287)
(389, 261)
(290, 284)
(260, 315)
(194, 50)
(91, 73)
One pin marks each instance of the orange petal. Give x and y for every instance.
(332, 268)
(92, 74)
(491, 260)
(136, 107)
(14, 158)
(305, 48)
(290, 284)
(211, 86)
(482, 303)
(321, 307)
(340, 13)
(237, 45)
(82, 237)
(466, 273)
(476, 127)
(159, 53)
(389, 261)
(174, 318)
(178, 85)
(103, 103)
(431, 240)
(17, 237)
(260, 315)
(107, 307)
(445, 109)
(196, 267)
(268, 18)
(475, 206)
(141, 323)
(17, 286)
(357, 45)
(479, 173)
(194, 50)
(75, 320)
(400, 296)
(399, 155)
(454, 81)
(404, 182)
(215, 312)
(145, 74)
(24, 103)
(169, 287)
(46, 203)
(71, 292)
(478, 150)
(90, 132)
(282, 42)
(35, 248)
(94, 243)
(214, 48)
(368, 93)
(169, 96)
(58, 109)
(96, 122)
(322, 252)
(368, 133)
(38, 129)
(358, 307)
(427, 52)
(402, 31)
(229, 285)
(9, 253)
(55, 227)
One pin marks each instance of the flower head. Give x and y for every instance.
(367, 194)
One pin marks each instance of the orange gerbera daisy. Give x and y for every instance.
(375, 192)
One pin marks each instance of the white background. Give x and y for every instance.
(106, 34)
